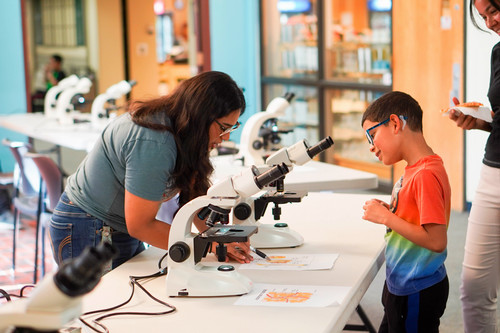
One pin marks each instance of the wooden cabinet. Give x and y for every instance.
(428, 64)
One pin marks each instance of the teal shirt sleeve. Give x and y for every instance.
(148, 168)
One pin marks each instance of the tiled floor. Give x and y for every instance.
(10, 280)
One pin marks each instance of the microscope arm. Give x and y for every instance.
(114, 92)
(251, 142)
(49, 102)
(64, 105)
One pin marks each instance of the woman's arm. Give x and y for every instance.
(140, 216)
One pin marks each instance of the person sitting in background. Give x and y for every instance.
(53, 71)
(45, 79)
(416, 285)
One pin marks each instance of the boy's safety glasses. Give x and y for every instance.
(369, 136)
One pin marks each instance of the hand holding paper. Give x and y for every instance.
(472, 109)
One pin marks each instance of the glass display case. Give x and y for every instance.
(346, 107)
(358, 41)
(301, 118)
(292, 46)
(342, 51)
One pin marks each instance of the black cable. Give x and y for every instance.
(161, 260)
(8, 296)
(21, 292)
(5, 295)
(134, 280)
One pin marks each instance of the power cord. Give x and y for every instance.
(8, 297)
(134, 281)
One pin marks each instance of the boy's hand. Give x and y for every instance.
(376, 211)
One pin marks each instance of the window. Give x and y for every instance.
(59, 22)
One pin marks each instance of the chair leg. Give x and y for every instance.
(38, 226)
(37, 239)
(43, 251)
(15, 232)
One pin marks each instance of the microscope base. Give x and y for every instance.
(273, 236)
(205, 281)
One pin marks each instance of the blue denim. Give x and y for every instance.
(71, 230)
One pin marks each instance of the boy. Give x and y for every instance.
(416, 285)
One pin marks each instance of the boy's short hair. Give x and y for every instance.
(398, 103)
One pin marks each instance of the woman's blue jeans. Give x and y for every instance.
(71, 230)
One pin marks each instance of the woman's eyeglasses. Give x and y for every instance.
(226, 130)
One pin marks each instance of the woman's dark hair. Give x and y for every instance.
(188, 112)
(472, 10)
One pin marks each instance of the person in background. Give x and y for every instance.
(416, 286)
(481, 265)
(45, 79)
(53, 71)
(157, 151)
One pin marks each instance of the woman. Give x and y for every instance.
(481, 266)
(158, 150)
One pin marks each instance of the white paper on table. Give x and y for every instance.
(293, 295)
(294, 262)
(481, 112)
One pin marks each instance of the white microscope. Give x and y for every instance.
(49, 102)
(57, 300)
(65, 110)
(100, 116)
(187, 275)
(260, 135)
(250, 210)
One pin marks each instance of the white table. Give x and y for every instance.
(312, 176)
(329, 222)
(79, 136)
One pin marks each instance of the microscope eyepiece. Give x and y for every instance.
(80, 275)
(320, 146)
(271, 175)
(289, 96)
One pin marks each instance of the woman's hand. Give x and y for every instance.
(239, 251)
(467, 122)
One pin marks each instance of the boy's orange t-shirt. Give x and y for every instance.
(421, 196)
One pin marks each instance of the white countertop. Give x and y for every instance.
(329, 222)
(312, 176)
(79, 136)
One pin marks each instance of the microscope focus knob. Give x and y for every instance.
(242, 211)
(179, 252)
(257, 144)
